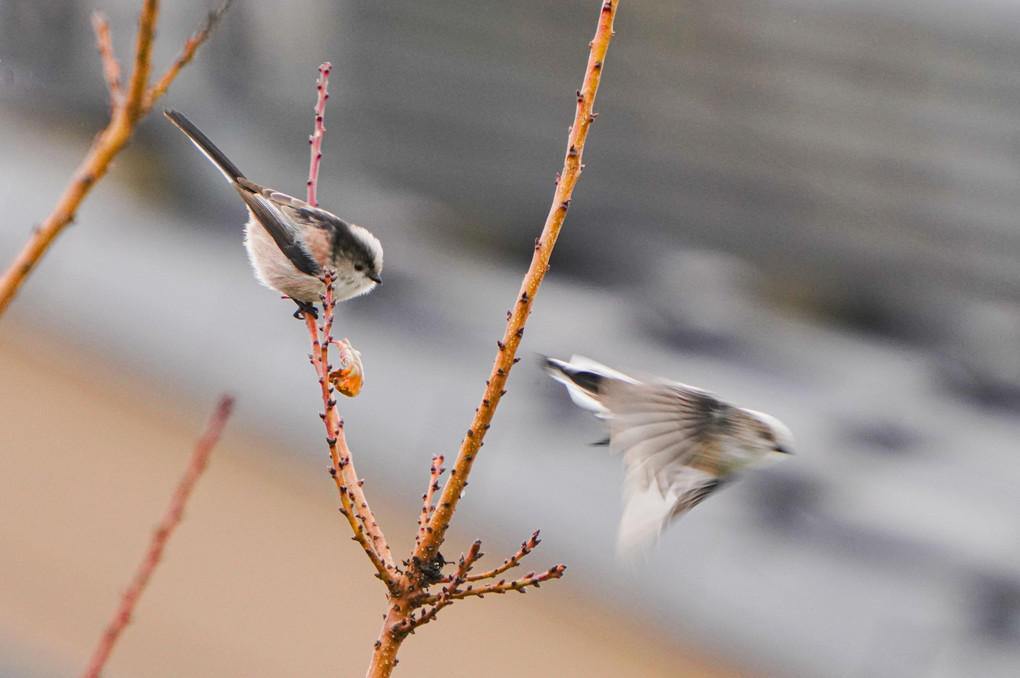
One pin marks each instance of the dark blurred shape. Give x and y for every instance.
(981, 352)
(698, 299)
(880, 434)
(41, 47)
(784, 500)
(996, 608)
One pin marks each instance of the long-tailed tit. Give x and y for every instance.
(289, 242)
(679, 443)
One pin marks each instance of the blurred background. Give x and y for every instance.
(809, 208)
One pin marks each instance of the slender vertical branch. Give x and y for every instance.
(426, 499)
(506, 355)
(171, 518)
(132, 108)
(400, 620)
(354, 504)
(111, 67)
(315, 140)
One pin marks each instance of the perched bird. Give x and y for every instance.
(290, 243)
(679, 443)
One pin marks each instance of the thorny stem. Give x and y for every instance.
(427, 508)
(354, 505)
(502, 586)
(111, 67)
(511, 562)
(398, 622)
(127, 110)
(506, 355)
(171, 518)
(315, 140)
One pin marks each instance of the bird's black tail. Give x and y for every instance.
(586, 380)
(207, 147)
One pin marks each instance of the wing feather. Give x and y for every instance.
(268, 214)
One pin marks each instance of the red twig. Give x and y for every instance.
(511, 562)
(315, 140)
(354, 504)
(171, 518)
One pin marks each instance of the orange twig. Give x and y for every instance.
(132, 109)
(127, 110)
(427, 508)
(354, 504)
(506, 356)
(111, 67)
(400, 619)
(186, 55)
(171, 518)
(511, 562)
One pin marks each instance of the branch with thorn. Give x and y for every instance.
(353, 503)
(315, 139)
(411, 602)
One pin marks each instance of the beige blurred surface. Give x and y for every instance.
(260, 579)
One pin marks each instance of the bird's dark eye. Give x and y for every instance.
(359, 267)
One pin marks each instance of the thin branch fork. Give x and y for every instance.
(127, 108)
(506, 355)
(511, 562)
(400, 620)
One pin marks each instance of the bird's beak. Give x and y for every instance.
(783, 450)
(374, 277)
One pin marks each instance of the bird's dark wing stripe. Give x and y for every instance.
(694, 497)
(589, 381)
(281, 233)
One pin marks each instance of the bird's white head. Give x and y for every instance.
(781, 435)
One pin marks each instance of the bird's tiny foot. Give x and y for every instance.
(305, 307)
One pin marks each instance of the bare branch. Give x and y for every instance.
(427, 507)
(186, 55)
(506, 355)
(354, 505)
(132, 109)
(127, 111)
(511, 562)
(400, 619)
(171, 518)
(111, 67)
(315, 140)
(502, 586)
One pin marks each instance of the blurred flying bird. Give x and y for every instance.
(679, 443)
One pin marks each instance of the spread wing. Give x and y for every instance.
(666, 433)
